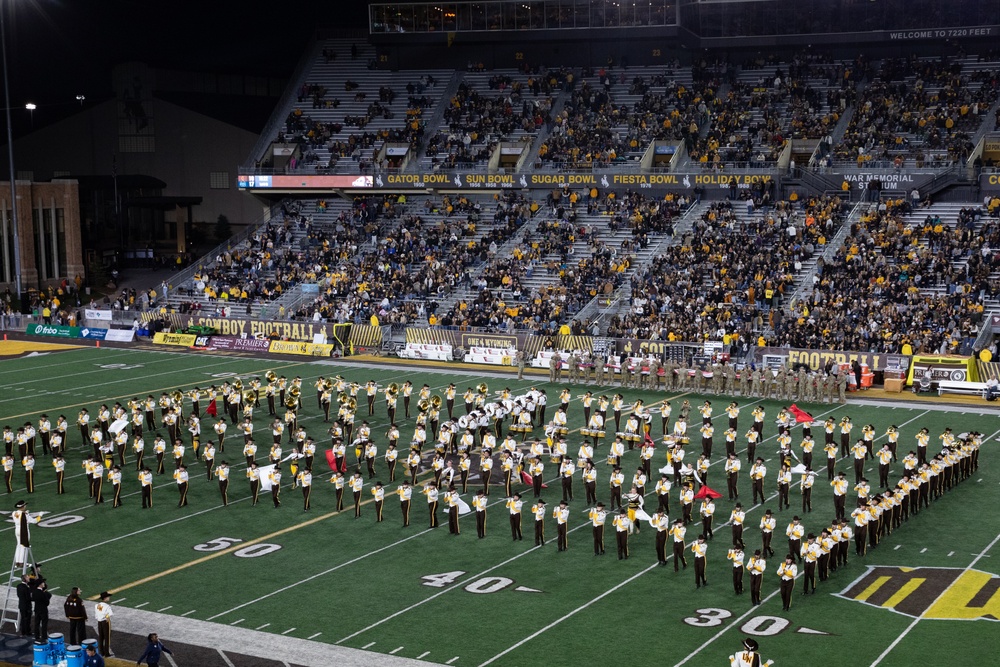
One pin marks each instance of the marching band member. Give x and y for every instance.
(254, 476)
(405, 493)
(736, 557)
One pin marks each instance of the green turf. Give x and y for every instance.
(360, 583)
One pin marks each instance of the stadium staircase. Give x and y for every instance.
(479, 82)
(334, 73)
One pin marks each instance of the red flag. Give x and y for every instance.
(648, 441)
(331, 460)
(706, 492)
(212, 410)
(800, 415)
(526, 478)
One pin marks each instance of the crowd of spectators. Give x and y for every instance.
(572, 277)
(877, 292)
(417, 261)
(918, 112)
(478, 121)
(728, 275)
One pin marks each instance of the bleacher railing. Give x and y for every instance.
(183, 276)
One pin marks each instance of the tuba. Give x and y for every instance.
(352, 403)
(435, 402)
(177, 396)
(393, 388)
(295, 393)
(249, 396)
(270, 376)
(291, 402)
(342, 397)
(327, 384)
(482, 388)
(238, 384)
(423, 405)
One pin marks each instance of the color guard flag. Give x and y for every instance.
(706, 492)
(800, 415)
(331, 460)
(526, 478)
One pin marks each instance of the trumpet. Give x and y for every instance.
(271, 376)
(435, 402)
(482, 388)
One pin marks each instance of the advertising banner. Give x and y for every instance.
(55, 330)
(120, 335)
(93, 333)
(944, 367)
(817, 359)
(298, 347)
(480, 181)
(528, 343)
(237, 328)
(183, 340)
(94, 314)
(237, 344)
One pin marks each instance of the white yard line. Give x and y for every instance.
(319, 574)
(225, 658)
(568, 616)
(912, 625)
(630, 579)
(464, 582)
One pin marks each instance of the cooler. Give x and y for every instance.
(40, 655)
(74, 656)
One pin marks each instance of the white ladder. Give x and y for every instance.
(14, 615)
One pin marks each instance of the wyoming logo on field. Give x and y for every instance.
(929, 592)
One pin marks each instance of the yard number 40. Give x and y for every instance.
(481, 585)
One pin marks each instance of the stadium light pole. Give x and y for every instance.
(10, 158)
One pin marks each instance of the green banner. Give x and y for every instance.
(56, 330)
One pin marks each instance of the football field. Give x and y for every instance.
(928, 593)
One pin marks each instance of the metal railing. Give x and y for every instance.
(239, 237)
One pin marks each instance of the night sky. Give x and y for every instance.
(58, 49)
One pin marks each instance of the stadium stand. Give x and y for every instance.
(348, 109)
(919, 112)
